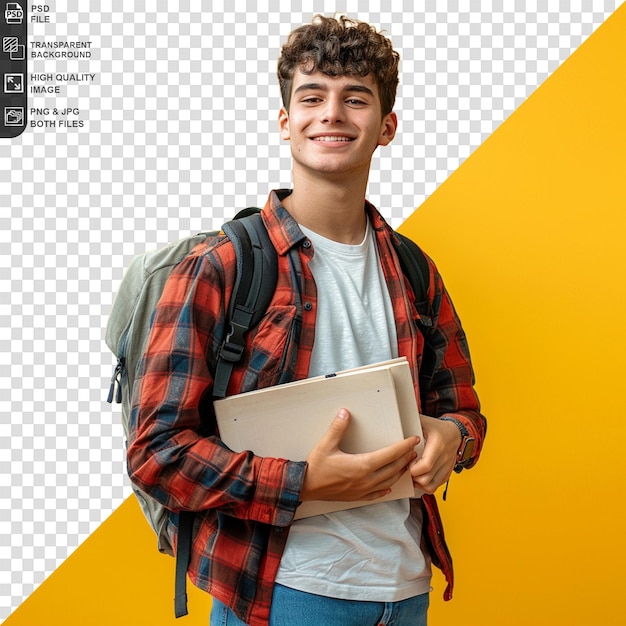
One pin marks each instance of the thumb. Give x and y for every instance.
(336, 430)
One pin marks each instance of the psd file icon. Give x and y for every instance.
(13, 13)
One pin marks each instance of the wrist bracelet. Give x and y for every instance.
(459, 424)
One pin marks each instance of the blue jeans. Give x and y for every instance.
(297, 608)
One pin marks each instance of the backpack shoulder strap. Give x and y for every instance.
(183, 556)
(255, 283)
(415, 268)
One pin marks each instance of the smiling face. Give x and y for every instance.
(334, 124)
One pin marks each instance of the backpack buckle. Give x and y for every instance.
(234, 344)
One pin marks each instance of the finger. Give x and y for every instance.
(382, 486)
(389, 480)
(397, 467)
(423, 471)
(432, 480)
(402, 451)
(426, 463)
(333, 435)
(421, 467)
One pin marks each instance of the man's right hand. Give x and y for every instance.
(335, 475)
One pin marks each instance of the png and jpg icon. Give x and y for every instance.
(14, 116)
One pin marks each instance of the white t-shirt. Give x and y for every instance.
(371, 552)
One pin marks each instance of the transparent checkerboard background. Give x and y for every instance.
(179, 132)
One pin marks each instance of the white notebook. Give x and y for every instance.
(286, 421)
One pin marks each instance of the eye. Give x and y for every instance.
(356, 102)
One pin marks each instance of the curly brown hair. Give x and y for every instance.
(340, 47)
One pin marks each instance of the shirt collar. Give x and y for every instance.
(284, 230)
(281, 227)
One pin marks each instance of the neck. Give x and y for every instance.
(333, 209)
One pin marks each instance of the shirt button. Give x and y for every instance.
(308, 306)
(306, 244)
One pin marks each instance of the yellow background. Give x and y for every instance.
(530, 236)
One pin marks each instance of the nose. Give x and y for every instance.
(333, 111)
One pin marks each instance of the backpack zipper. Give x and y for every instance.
(116, 381)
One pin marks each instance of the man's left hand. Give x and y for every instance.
(441, 443)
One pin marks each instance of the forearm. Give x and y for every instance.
(450, 391)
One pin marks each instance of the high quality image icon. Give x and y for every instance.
(14, 83)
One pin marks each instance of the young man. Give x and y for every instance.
(341, 301)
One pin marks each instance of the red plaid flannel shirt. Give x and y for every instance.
(244, 503)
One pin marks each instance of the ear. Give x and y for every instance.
(283, 124)
(388, 129)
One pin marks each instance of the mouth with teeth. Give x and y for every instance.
(333, 139)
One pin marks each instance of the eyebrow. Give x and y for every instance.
(322, 87)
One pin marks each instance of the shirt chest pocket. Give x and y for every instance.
(272, 348)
